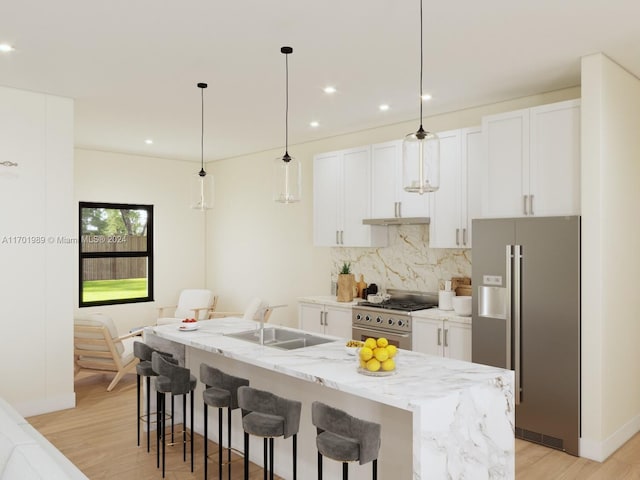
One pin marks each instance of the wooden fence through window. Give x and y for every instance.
(116, 268)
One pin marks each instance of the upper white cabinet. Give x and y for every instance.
(389, 199)
(458, 199)
(532, 161)
(341, 199)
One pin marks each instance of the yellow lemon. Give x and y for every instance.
(363, 363)
(371, 343)
(366, 353)
(388, 365)
(381, 354)
(373, 365)
(392, 350)
(382, 342)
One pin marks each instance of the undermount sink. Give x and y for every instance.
(281, 338)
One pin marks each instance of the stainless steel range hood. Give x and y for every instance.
(397, 221)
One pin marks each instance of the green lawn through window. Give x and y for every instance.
(101, 290)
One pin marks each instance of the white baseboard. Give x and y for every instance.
(46, 405)
(600, 451)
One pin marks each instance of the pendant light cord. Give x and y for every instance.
(421, 64)
(202, 86)
(286, 108)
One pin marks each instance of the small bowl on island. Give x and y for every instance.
(188, 324)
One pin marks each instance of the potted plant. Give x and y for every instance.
(346, 282)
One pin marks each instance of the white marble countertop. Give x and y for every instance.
(437, 314)
(328, 300)
(463, 414)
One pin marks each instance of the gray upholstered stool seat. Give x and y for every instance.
(267, 415)
(176, 380)
(143, 352)
(221, 391)
(345, 438)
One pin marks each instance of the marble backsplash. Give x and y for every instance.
(407, 263)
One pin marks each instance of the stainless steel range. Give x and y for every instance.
(392, 318)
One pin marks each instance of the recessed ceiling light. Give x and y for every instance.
(426, 97)
(314, 124)
(5, 47)
(148, 141)
(384, 107)
(329, 89)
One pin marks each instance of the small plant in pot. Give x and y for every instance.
(346, 282)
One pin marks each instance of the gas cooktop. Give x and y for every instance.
(405, 301)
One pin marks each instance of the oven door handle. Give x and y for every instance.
(381, 330)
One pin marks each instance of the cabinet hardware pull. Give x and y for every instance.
(446, 337)
(326, 321)
(457, 236)
(439, 337)
(531, 204)
(399, 209)
(524, 204)
(464, 236)
(8, 163)
(341, 237)
(337, 237)
(395, 209)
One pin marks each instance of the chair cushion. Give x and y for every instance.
(263, 424)
(163, 384)
(254, 309)
(97, 320)
(337, 447)
(144, 369)
(193, 298)
(217, 397)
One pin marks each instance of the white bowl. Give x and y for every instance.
(375, 298)
(462, 305)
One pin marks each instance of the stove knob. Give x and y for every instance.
(390, 321)
(367, 318)
(400, 323)
(359, 316)
(378, 319)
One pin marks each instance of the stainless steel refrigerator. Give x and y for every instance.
(526, 317)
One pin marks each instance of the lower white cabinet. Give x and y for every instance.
(442, 337)
(325, 319)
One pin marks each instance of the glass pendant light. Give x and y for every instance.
(287, 171)
(203, 186)
(421, 151)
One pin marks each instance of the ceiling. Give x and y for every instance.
(132, 65)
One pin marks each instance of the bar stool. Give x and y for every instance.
(143, 352)
(345, 438)
(221, 392)
(268, 416)
(175, 380)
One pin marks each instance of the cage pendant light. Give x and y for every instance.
(202, 189)
(421, 151)
(287, 170)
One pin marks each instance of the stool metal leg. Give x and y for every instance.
(375, 469)
(229, 441)
(295, 456)
(172, 410)
(246, 456)
(138, 401)
(319, 466)
(149, 413)
(220, 443)
(164, 443)
(159, 427)
(265, 463)
(191, 427)
(271, 458)
(345, 471)
(184, 428)
(206, 439)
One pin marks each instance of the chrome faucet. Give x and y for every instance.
(263, 312)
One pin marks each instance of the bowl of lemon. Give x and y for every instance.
(377, 357)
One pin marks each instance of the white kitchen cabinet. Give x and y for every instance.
(532, 161)
(389, 199)
(458, 199)
(342, 199)
(443, 337)
(325, 319)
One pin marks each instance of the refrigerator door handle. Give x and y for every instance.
(517, 319)
(509, 265)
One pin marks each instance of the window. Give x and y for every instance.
(116, 253)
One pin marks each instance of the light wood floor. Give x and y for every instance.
(99, 436)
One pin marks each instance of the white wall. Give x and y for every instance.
(36, 363)
(610, 240)
(259, 248)
(178, 231)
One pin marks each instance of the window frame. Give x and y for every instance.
(148, 253)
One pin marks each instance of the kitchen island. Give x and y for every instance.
(440, 418)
